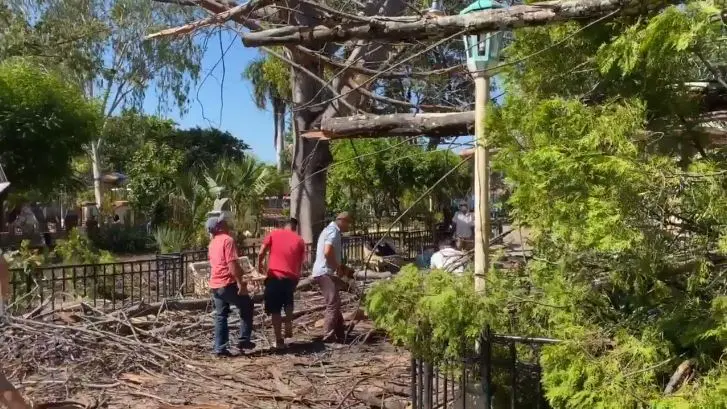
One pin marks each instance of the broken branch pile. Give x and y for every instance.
(159, 356)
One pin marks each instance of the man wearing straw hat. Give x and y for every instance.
(329, 262)
(228, 286)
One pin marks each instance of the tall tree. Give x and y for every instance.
(271, 85)
(105, 54)
(44, 123)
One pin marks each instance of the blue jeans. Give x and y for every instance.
(223, 298)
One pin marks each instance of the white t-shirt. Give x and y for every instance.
(463, 225)
(449, 259)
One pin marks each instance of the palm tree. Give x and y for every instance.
(270, 83)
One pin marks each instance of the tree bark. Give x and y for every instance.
(311, 158)
(96, 169)
(279, 113)
(413, 28)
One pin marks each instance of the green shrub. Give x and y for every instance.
(171, 240)
(433, 314)
(123, 239)
(79, 249)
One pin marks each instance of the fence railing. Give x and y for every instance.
(504, 374)
(153, 279)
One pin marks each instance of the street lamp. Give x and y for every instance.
(437, 9)
(483, 54)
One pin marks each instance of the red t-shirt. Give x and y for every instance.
(221, 252)
(287, 250)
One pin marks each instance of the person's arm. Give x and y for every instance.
(301, 248)
(234, 266)
(329, 252)
(264, 249)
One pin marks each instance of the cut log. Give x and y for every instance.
(376, 126)
(414, 28)
(680, 377)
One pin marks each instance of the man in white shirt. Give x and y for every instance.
(464, 227)
(448, 258)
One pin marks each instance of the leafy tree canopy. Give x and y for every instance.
(152, 175)
(381, 177)
(201, 148)
(44, 123)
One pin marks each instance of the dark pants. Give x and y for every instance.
(223, 298)
(333, 324)
(279, 294)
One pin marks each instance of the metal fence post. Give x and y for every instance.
(413, 391)
(486, 365)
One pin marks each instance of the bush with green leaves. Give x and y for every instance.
(44, 122)
(79, 249)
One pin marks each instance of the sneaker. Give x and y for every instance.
(246, 345)
(223, 354)
(279, 344)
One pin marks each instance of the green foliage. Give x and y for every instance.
(382, 177)
(122, 239)
(126, 133)
(201, 148)
(25, 258)
(433, 314)
(270, 78)
(152, 174)
(171, 240)
(44, 122)
(599, 139)
(79, 249)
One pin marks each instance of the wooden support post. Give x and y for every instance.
(482, 184)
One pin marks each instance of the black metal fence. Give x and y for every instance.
(504, 374)
(152, 279)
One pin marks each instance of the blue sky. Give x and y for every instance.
(225, 101)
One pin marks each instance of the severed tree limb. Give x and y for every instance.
(243, 11)
(373, 126)
(413, 28)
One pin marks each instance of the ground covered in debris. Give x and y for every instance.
(159, 356)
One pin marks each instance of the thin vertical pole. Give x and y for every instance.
(482, 184)
(414, 384)
(486, 366)
(513, 379)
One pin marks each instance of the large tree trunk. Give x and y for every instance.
(311, 157)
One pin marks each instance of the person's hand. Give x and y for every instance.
(242, 289)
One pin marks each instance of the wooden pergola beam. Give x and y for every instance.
(377, 126)
(415, 28)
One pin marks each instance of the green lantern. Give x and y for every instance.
(482, 49)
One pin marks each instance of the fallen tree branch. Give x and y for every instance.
(243, 10)
(412, 28)
(374, 126)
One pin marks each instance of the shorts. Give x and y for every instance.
(279, 294)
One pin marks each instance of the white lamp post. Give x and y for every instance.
(483, 54)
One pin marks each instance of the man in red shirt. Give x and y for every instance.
(228, 287)
(287, 253)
